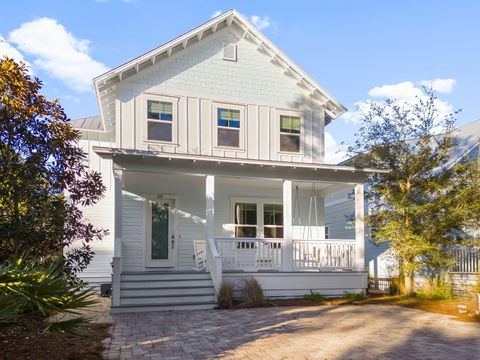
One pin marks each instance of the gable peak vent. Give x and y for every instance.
(230, 52)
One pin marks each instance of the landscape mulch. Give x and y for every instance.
(27, 340)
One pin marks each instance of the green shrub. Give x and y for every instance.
(355, 296)
(225, 295)
(30, 289)
(436, 288)
(252, 293)
(314, 296)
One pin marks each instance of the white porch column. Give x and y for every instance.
(359, 228)
(287, 226)
(117, 236)
(210, 207)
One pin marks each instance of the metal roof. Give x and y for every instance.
(92, 123)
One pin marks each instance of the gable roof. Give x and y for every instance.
(105, 83)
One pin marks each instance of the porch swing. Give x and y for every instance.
(304, 252)
(307, 233)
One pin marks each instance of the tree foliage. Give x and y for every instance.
(426, 201)
(44, 181)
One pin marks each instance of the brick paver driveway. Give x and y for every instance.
(324, 332)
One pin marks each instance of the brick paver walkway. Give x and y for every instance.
(323, 332)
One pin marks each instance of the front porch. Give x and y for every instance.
(252, 219)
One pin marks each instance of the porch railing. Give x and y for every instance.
(324, 254)
(250, 254)
(267, 254)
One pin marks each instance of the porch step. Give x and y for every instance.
(146, 276)
(165, 300)
(158, 291)
(162, 307)
(167, 291)
(145, 283)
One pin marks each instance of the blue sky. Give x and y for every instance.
(357, 50)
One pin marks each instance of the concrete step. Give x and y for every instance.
(162, 307)
(200, 298)
(147, 283)
(166, 291)
(144, 276)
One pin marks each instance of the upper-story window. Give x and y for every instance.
(159, 120)
(228, 127)
(290, 127)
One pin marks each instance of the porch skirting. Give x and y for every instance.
(298, 284)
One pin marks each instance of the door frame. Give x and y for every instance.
(172, 261)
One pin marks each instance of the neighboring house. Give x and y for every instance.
(340, 212)
(212, 150)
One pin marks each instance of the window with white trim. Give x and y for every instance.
(326, 232)
(245, 215)
(159, 120)
(258, 218)
(290, 133)
(228, 127)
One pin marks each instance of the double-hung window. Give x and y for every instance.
(258, 219)
(290, 133)
(273, 221)
(159, 120)
(228, 127)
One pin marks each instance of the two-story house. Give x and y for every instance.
(212, 149)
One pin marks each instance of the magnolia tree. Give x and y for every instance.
(426, 201)
(44, 182)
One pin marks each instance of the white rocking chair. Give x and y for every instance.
(200, 255)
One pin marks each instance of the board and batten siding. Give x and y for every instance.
(190, 216)
(197, 80)
(101, 215)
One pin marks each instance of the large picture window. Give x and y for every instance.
(290, 133)
(228, 127)
(258, 219)
(159, 120)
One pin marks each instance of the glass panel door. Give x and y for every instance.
(160, 244)
(160, 230)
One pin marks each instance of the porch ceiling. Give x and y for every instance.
(197, 165)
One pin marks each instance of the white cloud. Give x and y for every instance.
(262, 22)
(6, 49)
(406, 92)
(333, 152)
(444, 86)
(216, 13)
(403, 90)
(58, 52)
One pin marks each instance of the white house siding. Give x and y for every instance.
(339, 217)
(196, 79)
(190, 211)
(102, 213)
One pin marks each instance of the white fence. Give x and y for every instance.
(467, 260)
(267, 254)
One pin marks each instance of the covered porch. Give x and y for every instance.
(251, 217)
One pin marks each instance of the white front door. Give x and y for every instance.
(160, 243)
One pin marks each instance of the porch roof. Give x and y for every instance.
(154, 161)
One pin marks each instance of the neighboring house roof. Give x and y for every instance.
(105, 83)
(91, 123)
(466, 141)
